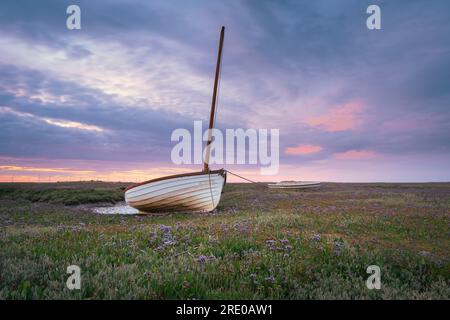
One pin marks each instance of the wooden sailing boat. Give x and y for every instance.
(195, 191)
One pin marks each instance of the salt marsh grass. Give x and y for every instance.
(259, 244)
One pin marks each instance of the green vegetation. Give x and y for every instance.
(64, 193)
(261, 243)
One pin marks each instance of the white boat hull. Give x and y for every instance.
(194, 192)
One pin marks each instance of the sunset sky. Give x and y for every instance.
(351, 104)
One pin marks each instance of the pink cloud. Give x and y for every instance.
(355, 155)
(341, 118)
(303, 149)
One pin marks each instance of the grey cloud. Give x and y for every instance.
(275, 52)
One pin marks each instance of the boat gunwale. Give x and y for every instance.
(180, 175)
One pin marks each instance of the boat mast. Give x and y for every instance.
(213, 103)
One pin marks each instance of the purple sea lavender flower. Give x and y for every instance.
(241, 228)
(271, 244)
(165, 229)
(168, 242)
(202, 259)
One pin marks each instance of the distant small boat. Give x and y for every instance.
(294, 185)
(194, 191)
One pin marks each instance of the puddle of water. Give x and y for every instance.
(117, 209)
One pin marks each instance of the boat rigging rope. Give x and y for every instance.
(234, 174)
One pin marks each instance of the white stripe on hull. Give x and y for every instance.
(199, 192)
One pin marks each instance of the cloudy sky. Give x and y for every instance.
(351, 104)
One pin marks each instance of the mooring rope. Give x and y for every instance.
(235, 174)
